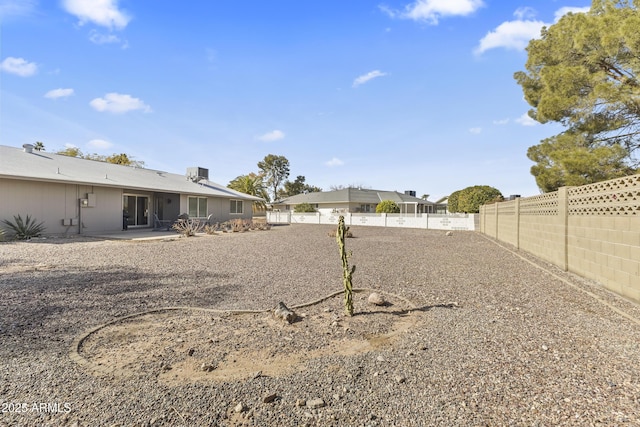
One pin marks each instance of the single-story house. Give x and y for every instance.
(74, 195)
(356, 200)
(442, 205)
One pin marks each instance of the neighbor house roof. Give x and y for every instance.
(16, 163)
(352, 195)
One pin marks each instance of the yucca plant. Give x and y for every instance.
(24, 229)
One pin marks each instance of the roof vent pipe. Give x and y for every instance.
(28, 148)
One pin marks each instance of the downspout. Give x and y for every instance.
(79, 215)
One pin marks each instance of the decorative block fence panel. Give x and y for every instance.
(592, 230)
(425, 221)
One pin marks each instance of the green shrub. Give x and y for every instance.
(304, 207)
(473, 197)
(452, 201)
(387, 206)
(23, 229)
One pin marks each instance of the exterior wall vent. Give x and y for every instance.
(197, 174)
(28, 148)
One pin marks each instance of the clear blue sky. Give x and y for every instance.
(389, 94)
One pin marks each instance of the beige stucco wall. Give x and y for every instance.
(107, 213)
(219, 208)
(52, 203)
(593, 230)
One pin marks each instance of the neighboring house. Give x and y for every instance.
(442, 205)
(357, 200)
(73, 195)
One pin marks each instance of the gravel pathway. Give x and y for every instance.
(498, 337)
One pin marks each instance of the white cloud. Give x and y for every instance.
(517, 34)
(99, 38)
(525, 120)
(334, 162)
(100, 12)
(511, 35)
(523, 13)
(501, 122)
(274, 135)
(58, 93)
(119, 103)
(16, 8)
(18, 66)
(431, 11)
(100, 144)
(367, 77)
(476, 130)
(564, 10)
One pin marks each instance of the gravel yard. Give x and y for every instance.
(474, 334)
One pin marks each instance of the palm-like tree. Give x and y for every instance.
(38, 146)
(252, 185)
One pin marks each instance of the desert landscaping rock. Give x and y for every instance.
(482, 334)
(270, 398)
(315, 403)
(282, 312)
(376, 299)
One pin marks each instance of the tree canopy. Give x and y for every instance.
(387, 206)
(470, 199)
(567, 160)
(297, 187)
(251, 184)
(583, 74)
(118, 159)
(275, 169)
(304, 207)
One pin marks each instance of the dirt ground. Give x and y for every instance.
(192, 345)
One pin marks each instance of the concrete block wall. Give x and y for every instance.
(592, 230)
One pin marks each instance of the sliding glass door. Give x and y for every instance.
(135, 209)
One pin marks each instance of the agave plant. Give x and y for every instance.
(24, 229)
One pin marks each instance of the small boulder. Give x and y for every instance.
(269, 398)
(208, 367)
(376, 299)
(315, 403)
(282, 312)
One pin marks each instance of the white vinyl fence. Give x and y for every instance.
(427, 221)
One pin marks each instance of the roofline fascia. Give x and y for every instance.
(124, 187)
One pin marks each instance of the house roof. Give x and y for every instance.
(352, 195)
(16, 163)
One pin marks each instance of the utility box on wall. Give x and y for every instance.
(91, 200)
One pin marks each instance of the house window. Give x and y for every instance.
(197, 207)
(365, 208)
(236, 207)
